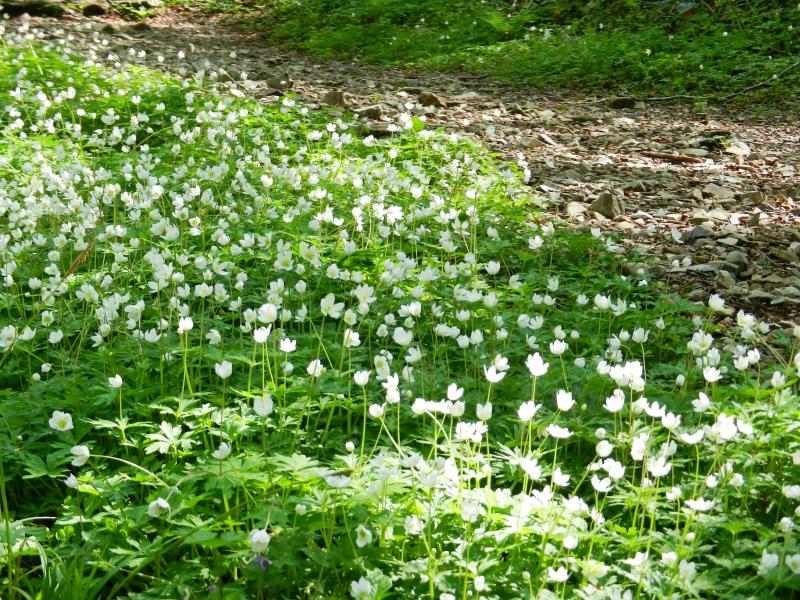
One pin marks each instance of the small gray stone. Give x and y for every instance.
(141, 27)
(370, 112)
(739, 260)
(635, 186)
(725, 280)
(755, 197)
(696, 233)
(697, 295)
(202, 64)
(709, 267)
(634, 269)
(608, 205)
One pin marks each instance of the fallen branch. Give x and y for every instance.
(769, 81)
(679, 158)
(678, 97)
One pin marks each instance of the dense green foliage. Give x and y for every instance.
(246, 352)
(651, 48)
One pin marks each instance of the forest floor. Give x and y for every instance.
(707, 202)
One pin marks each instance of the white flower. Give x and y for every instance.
(288, 345)
(402, 337)
(536, 365)
(791, 491)
(615, 401)
(484, 411)
(711, 374)
(793, 563)
(558, 347)
(158, 507)
(614, 468)
(351, 339)
(601, 485)
(768, 562)
(60, 421)
(454, 392)
(223, 369)
(361, 377)
(700, 505)
(363, 536)
(214, 337)
(361, 589)
(564, 400)
(717, 304)
(669, 558)
(527, 411)
(259, 540)
(330, 308)
(315, 368)
(560, 478)
(492, 374)
(702, 403)
(71, 481)
(263, 405)
(185, 324)
(604, 448)
(559, 575)
(261, 334)
(223, 452)
(658, 467)
(115, 381)
(81, 454)
(558, 432)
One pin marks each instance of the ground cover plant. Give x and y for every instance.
(246, 352)
(647, 48)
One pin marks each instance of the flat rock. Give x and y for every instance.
(608, 205)
(369, 112)
(573, 209)
(466, 97)
(696, 233)
(428, 98)
(696, 152)
(712, 190)
(635, 186)
(336, 98)
(279, 83)
(738, 148)
(93, 8)
(755, 197)
(738, 259)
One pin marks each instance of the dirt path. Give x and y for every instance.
(713, 199)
